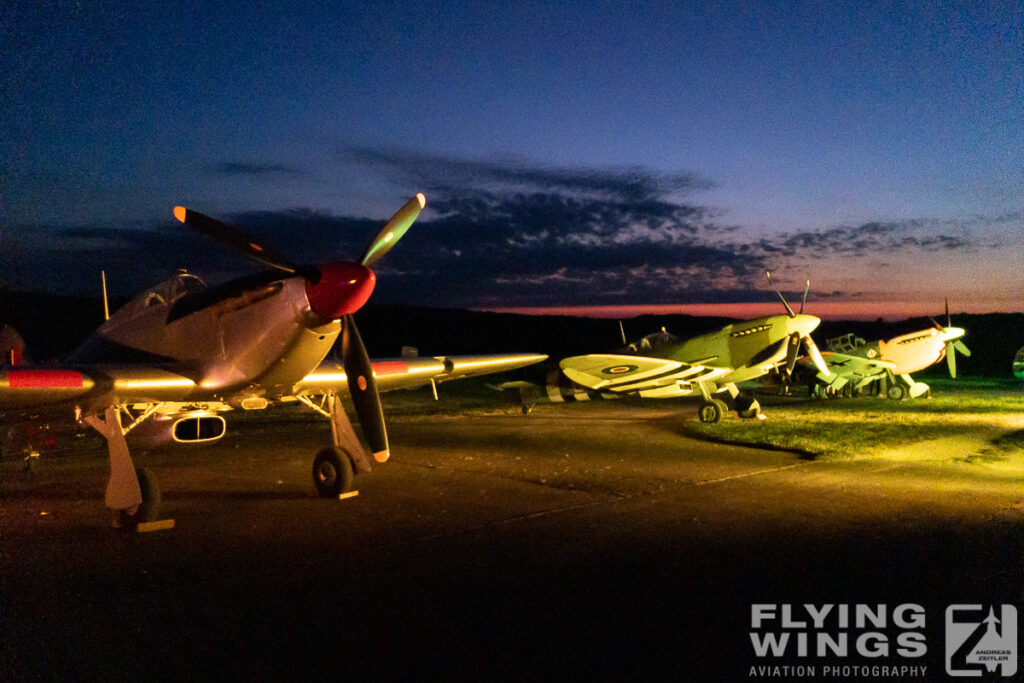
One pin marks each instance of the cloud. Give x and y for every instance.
(869, 238)
(507, 233)
(448, 176)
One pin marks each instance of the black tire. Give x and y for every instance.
(149, 509)
(747, 407)
(710, 412)
(332, 472)
(896, 392)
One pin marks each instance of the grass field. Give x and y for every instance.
(972, 420)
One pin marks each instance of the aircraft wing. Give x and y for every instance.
(403, 373)
(850, 368)
(95, 386)
(617, 372)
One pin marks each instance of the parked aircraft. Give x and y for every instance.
(661, 365)
(854, 363)
(184, 352)
(1018, 364)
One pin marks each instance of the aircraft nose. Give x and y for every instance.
(952, 333)
(343, 288)
(803, 324)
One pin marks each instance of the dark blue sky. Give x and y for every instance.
(589, 153)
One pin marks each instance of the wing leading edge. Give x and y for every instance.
(101, 385)
(403, 373)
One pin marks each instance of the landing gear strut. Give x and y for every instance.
(132, 493)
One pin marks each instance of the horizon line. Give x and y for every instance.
(842, 310)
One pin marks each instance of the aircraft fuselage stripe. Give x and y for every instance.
(45, 379)
(390, 368)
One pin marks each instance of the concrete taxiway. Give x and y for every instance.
(581, 540)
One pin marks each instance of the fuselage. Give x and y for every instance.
(917, 350)
(750, 347)
(254, 335)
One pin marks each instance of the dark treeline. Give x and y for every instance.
(53, 325)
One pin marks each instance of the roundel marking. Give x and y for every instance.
(619, 369)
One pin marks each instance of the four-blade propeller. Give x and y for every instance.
(797, 339)
(334, 291)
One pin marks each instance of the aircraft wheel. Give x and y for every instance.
(747, 406)
(710, 412)
(896, 392)
(332, 472)
(149, 509)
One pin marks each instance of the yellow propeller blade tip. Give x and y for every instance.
(421, 199)
(179, 213)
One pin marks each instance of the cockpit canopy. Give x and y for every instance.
(847, 343)
(653, 341)
(169, 291)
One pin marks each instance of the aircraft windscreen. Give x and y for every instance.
(186, 283)
(657, 340)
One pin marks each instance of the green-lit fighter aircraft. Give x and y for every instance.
(1018, 364)
(661, 365)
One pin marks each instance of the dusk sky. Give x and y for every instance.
(572, 154)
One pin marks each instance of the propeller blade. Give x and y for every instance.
(789, 310)
(935, 323)
(962, 348)
(949, 321)
(393, 231)
(803, 301)
(235, 239)
(951, 359)
(363, 389)
(792, 352)
(815, 354)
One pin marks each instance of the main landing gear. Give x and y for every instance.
(133, 494)
(712, 410)
(335, 467)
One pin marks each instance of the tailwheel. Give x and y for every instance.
(149, 509)
(710, 412)
(332, 472)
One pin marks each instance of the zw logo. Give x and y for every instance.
(978, 640)
(619, 369)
